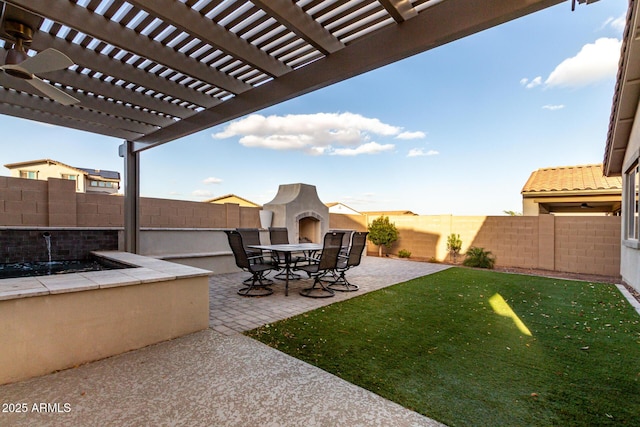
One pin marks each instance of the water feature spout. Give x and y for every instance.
(47, 239)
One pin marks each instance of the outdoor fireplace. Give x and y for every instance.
(298, 208)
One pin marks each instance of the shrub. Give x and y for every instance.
(478, 257)
(403, 253)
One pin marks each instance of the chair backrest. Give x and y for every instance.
(330, 250)
(358, 242)
(278, 235)
(346, 238)
(250, 236)
(237, 247)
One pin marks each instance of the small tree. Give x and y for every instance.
(382, 233)
(454, 244)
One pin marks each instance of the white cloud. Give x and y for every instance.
(617, 24)
(202, 193)
(553, 107)
(531, 84)
(411, 135)
(368, 148)
(595, 61)
(315, 134)
(419, 152)
(211, 180)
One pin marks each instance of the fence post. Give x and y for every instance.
(232, 211)
(62, 203)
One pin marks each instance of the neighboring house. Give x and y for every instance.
(622, 151)
(572, 190)
(340, 208)
(232, 198)
(87, 180)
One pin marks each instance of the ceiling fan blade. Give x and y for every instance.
(16, 71)
(47, 60)
(52, 91)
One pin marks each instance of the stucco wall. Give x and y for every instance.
(42, 334)
(630, 256)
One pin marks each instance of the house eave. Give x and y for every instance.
(625, 98)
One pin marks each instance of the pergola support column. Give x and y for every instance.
(131, 197)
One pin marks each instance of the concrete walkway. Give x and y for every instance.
(217, 377)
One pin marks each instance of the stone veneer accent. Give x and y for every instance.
(29, 245)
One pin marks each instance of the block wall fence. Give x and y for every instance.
(574, 244)
(588, 245)
(55, 203)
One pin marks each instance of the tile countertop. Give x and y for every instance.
(144, 270)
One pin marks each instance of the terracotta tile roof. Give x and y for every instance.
(571, 178)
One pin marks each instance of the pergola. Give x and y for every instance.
(152, 71)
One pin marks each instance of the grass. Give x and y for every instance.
(455, 346)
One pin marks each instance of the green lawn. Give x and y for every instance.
(470, 347)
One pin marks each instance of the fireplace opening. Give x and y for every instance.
(309, 230)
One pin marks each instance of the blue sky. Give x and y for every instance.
(455, 130)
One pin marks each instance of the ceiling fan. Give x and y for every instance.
(19, 65)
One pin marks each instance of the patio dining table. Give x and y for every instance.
(287, 250)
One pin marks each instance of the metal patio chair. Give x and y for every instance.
(250, 236)
(346, 240)
(280, 236)
(257, 285)
(345, 262)
(327, 262)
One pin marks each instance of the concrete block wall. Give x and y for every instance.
(249, 217)
(513, 240)
(348, 222)
(588, 245)
(98, 210)
(62, 203)
(163, 213)
(23, 202)
(423, 236)
(55, 203)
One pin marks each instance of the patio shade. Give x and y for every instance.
(152, 71)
